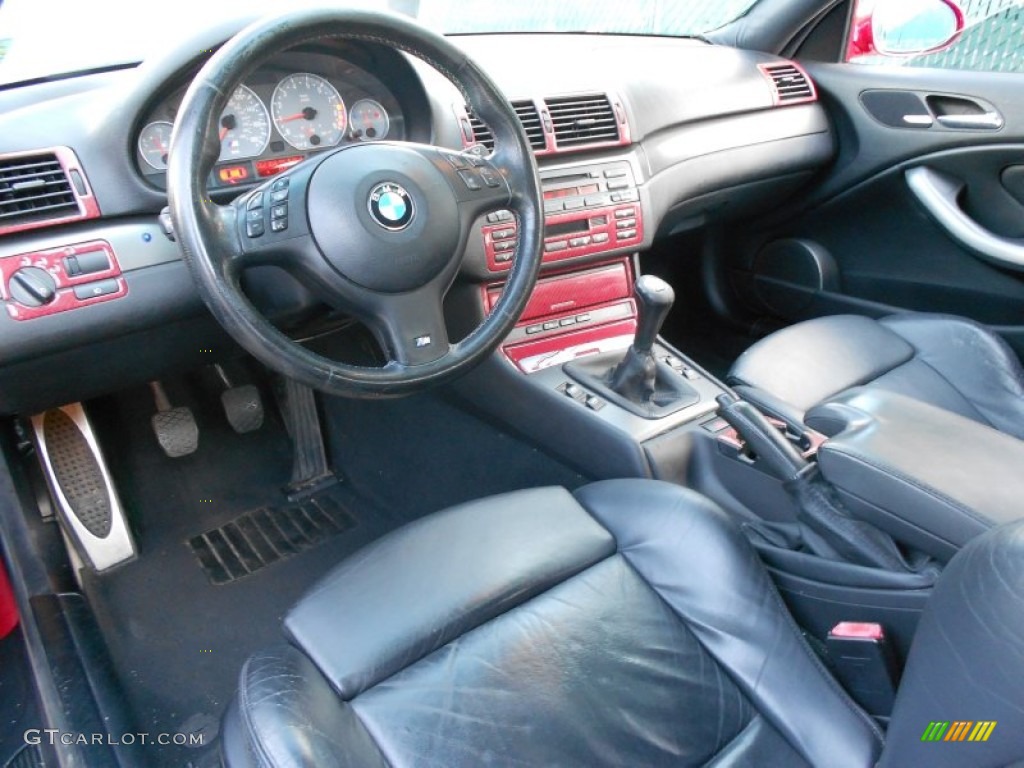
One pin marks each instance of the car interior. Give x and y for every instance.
(373, 396)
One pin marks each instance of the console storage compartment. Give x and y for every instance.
(930, 478)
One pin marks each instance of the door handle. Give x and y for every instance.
(939, 194)
(986, 121)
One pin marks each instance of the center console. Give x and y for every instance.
(585, 375)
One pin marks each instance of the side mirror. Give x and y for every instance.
(904, 28)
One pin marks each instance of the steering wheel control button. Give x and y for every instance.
(279, 225)
(279, 211)
(490, 177)
(471, 180)
(457, 161)
(391, 206)
(256, 201)
(279, 196)
(254, 228)
(279, 184)
(499, 216)
(32, 287)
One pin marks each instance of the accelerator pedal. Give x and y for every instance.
(243, 405)
(175, 428)
(310, 471)
(87, 504)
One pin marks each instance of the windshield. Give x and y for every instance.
(42, 38)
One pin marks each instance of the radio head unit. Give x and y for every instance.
(587, 209)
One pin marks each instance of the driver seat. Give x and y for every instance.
(628, 623)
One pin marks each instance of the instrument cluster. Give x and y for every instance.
(295, 105)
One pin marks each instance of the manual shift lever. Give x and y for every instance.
(635, 377)
(654, 298)
(638, 381)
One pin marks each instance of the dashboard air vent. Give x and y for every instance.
(481, 133)
(528, 116)
(582, 120)
(34, 188)
(790, 83)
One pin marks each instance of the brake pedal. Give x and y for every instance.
(87, 504)
(243, 405)
(175, 428)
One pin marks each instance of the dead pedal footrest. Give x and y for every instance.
(261, 537)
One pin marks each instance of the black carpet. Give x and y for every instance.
(177, 639)
(18, 708)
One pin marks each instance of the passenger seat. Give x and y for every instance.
(946, 361)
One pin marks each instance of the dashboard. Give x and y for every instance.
(295, 105)
(96, 284)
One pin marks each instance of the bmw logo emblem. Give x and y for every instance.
(390, 206)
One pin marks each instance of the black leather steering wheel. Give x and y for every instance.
(377, 229)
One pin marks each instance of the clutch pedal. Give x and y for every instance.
(175, 428)
(87, 504)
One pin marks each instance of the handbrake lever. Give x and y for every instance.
(775, 452)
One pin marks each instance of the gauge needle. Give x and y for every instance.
(226, 124)
(307, 114)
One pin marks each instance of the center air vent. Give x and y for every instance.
(581, 120)
(527, 113)
(790, 83)
(34, 187)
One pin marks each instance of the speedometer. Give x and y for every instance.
(244, 126)
(308, 111)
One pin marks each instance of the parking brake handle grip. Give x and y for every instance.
(771, 447)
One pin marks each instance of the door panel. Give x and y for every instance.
(864, 239)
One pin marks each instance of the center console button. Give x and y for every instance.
(558, 245)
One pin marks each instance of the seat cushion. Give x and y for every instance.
(949, 362)
(628, 624)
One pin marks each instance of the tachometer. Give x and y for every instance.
(368, 120)
(244, 126)
(155, 143)
(308, 111)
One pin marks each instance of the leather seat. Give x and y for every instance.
(945, 361)
(629, 623)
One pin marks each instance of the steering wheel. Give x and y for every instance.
(377, 230)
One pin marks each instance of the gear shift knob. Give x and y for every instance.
(654, 298)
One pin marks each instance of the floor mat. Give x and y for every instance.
(177, 640)
(179, 632)
(264, 536)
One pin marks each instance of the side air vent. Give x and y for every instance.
(582, 120)
(790, 84)
(41, 188)
(528, 116)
